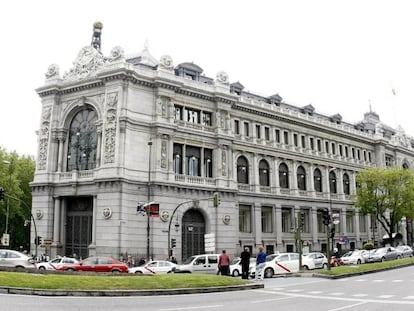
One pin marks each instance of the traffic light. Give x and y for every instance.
(173, 243)
(302, 220)
(332, 231)
(216, 199)
(1, 194)
(38, 240)
(326, 217)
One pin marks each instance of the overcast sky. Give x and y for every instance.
(339, 56)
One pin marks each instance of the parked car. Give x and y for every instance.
(206, 263)
(383, 254)
(15, 259)
(154, 267)
(354, 257)
(283, 263)
(97, 264)
(56, 263)
(317, 259)
(236, 268)
(404, 251)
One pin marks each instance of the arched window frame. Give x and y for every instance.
(332, 182)
(301, 178)
(345, 182)
(242, 170)
(264, 179)
(317, 180)
(283, 176)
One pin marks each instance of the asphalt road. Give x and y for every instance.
(389, 290)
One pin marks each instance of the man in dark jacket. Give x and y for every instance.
(245, 262)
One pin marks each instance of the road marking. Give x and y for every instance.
(360, 295)
(409, 297)
(385, 296)
(274, 299)
(315, 292)
(347, 307)
(361, 280)
(335, 294)
(378, 281)
(396, 281)
(193, 308)
(295, 290)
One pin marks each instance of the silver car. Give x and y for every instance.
(15, 259)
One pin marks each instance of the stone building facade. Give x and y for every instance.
(117, 132)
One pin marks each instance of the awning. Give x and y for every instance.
(394, 235)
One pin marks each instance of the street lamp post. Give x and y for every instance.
(148, 200)
(8, 197)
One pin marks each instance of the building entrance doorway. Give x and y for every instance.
(78, 226)
(193, 231)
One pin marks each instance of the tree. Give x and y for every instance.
(16, 171)
(387, 194)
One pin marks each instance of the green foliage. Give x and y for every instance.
(16, 174)
(387, 194)
(368, 246)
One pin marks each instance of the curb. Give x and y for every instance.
(121, 293)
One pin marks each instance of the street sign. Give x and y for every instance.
(209, 242)
(335, 218)
(5, 239)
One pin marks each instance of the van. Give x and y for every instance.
(205, 263)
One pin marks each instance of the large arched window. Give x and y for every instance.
(264, 173)
(82, 141)
(317, 180)
(332, 182)
(283, 176)
(301, 177)
(242, 170)
(345, 182)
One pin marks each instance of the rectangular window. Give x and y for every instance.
(208, 163)
(319, 145)
(267, 133)
(305, 219)
(206, 118)
(321, 226)
(267, 219)
(246, 129)
(286, 138)
(312, 143)
(333, 148)
(237, 127)
(327, 147)
(362, 223)
(295, 139)
(178, 158)
(258, 132)
(346, 151)
(359, 154)
(353, 152)
(389, 161)
(277, 136)
(365, 155)
(340, 151)
(349, 222)
(287, 219)
(369, 156)
(303, 141)
(192, 157)
(245, 218)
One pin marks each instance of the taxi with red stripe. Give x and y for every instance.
(154, 267)
(283, 263)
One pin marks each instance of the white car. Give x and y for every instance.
(355, 257)
(405, 251)
(154, 267)
(236, 268)
(56, 263)
(284, 263)
(314, 260)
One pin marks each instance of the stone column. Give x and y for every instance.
(257, 210)
(278, 219)
(56, 221)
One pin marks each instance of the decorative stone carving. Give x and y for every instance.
(88, 61)
(110, 128)
(166, 62)
(117, 53)
(165, 215)
(222, 77)
(39, 214)
(44, 139)
(224, 162)
(163, 154)
(52, 71)
(226, 219)
(107, 213)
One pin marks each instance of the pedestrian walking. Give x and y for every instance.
(224, 263)
(245, 262)
(260, 262)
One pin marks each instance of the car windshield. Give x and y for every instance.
(188, 260)
(235, 261)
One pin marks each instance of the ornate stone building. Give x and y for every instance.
(118, 131)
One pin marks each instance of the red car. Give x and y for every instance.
(97, 264)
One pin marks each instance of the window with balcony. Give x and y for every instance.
(301, 177)
(206, 118)
(193, 116)
(283, 176)
(193, 161)
(245, 218)
(267, 219)
(177, 158)
(242, 170)
(208, 163)
(264, 173)
(178, 113)
(345, 181)
(317, 180)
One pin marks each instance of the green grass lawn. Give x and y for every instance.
(367, 267)
(114, 282)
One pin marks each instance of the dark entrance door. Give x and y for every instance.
(78, 226)
(193, 231)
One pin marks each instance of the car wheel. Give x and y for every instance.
(116, 271)
(382, 259)
(268, 273)
(138, 272)
(305, 267)
(70, 269)
(358, 261)
(236, 273)
(398, 257)
(42, 268)
(325, 266)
